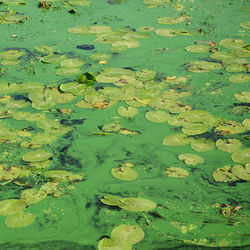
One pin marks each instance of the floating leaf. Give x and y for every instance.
(124, 173)
(31, 196)
(198, 48)
(19, 219)
(11, 206)
(241, 172)
(99, 56)
(203, 66)
(53, 58)
(14, 2)
(177, 140)
(113, 244)
(11, 54)
(246, 123)
(228, 145)
(45, 49)
(202, 145)
(243, 96)
(157, 116)
(74, 88)
(68, 71)
(131, 234)
(177, 172)
(79, 29)
(245, 25)
(111, 200)
(239, 78)
(10, 62)
(127, 112)
(72, 63)
(80, 3)
(224, 174)
(233, 44)
(191, 159)
(241, 156)
(44, 138)
(37, 155)
(136, 204)
(173, 20)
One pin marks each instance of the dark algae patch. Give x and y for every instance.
(124, 124)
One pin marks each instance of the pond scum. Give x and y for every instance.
(115, 136)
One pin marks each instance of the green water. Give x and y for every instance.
(185, 216)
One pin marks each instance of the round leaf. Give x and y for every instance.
(157, 116)
(241, 156)
(177, 172)
(191, 159)
(37, 155)
(202, 145)
(19, 219)
(136, 204)
(124, 173)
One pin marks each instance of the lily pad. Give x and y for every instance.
(176, 172)
(74, 88)
(124, 173)
(37, 155)
(245, 25)
(233, 44)
(202, 145)
(129, 112)
(53, 58)
(228, 145)
(113, 244)
(241, 172)
(197, 48)
(19, 219)
(173, 20)
(157, 116)
(11, 206)
(111, 200)
(68, 71)
(129, 233)
(243, 96)
(241, 156)
(203, 66)
(72, 63)
(32, 196)
(44, 138)
(137, 204)
(99, 56)
(239, 78)
(191, 159)
(246, 123)
(79, 29)
(11, 54)
(177, 140)
(224, 174)
(80, 3)
(14, 2)
(45, 49)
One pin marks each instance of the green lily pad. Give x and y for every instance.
(74, 88)
(80, 3)
(11, 54)
(241, 156)
(157, 116)
(243, 96)
(245, 25)
(17, 104)
(29, 87)
(145, 75)
(221, 55)
(173, 20)
(14, 2)
(45, 49)
(40, 164)
(113, 244)
(72, 63)
(198, 48)
(228, 145)
(236, 68)
(224, 174)
(191, 159)
(177, 140)
(239, 78)
(202, 145)
(37, 155)
(241, 172)
(79, 29)
(53, 58)
(116, 72)
(124, 173)
(129, 112)
(44, 138)
(11, 206)
(203, 66)
(246, 123)
(68, 71)
(99, 56)
(176, 172)
(233, 44)
(195, 128)
(129, 233)
(58, 175)
(32, 196)
(111, 200)
(19, 219)
(137, 204)
(10, 62)
(111, 127)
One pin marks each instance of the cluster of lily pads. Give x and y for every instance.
(122, 237)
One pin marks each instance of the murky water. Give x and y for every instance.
(124, 113)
